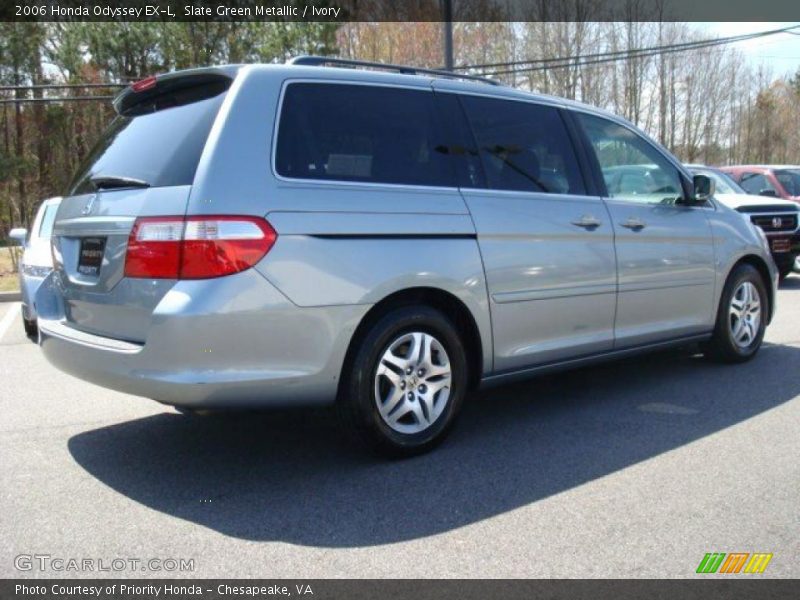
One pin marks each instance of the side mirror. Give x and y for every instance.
(704, 188)
(19, 234)
(768, 192)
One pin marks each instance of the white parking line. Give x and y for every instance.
(8, 319)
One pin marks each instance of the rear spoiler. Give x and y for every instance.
(173, 89)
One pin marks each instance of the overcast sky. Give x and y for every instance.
(780, 52)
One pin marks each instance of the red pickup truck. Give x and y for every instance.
(778, 181)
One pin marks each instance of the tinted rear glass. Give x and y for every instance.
(48, 218)
(161, 148)
(361, 133)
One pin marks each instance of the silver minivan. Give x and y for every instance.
(37, 260)
(385, 239)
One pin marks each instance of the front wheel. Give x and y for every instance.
(741, 317)
(406, 382)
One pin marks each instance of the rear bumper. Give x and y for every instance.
(230, 342)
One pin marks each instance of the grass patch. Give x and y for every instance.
(9, 280)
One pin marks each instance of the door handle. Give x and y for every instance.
(587, 222)
(634, 224)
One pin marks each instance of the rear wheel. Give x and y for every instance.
(31, 329)
(741, 318)
(406, 382)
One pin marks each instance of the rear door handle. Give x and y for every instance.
(587, 222)
(634, 224)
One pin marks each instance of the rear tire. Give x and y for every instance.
(31, 328)
(406, 382)
(741, 317)
(193, 412)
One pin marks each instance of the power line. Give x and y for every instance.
(597, 61)
(726, 40)
(53, 100)
(60, 86)
(543, 65)
(600, 57)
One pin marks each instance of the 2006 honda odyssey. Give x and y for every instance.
(258, 235)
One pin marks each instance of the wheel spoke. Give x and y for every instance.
(746, 332)
(751, 333)
(427, 404)
(737, 328)
(390, 374)
(416, 409)
(422, 349)
(439, 384)
(393, 419)
(392, 402)
(395, 363)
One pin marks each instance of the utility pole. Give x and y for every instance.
(447, 31)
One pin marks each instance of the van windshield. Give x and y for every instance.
(156, 149)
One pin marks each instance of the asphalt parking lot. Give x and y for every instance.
(632, 469)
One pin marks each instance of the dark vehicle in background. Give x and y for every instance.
(777, 181)
(779, 219)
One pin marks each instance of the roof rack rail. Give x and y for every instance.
(319, 61)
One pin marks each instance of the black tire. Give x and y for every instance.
(722, 346)
(31, 329)
(357, 402)
(785, 270)
(193, 412)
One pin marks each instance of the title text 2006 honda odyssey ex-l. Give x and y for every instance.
(253, 236)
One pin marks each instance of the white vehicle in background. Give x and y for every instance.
(778, 218)
(37, 261)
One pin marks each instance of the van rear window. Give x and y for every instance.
(361, 133)
(160, 148)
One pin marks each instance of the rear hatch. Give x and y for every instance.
(143, 166)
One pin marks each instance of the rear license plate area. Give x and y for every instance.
(783, 245)
(91, 256)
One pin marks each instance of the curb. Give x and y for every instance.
(10, 296)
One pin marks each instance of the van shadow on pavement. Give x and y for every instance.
(290, 476)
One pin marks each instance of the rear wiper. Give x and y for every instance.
(107, 182)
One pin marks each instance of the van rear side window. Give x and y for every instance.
(361, 133)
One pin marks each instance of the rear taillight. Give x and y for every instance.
(196, 247)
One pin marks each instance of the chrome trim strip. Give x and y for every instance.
(659, 285)
(60, 330)
(553, 293)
